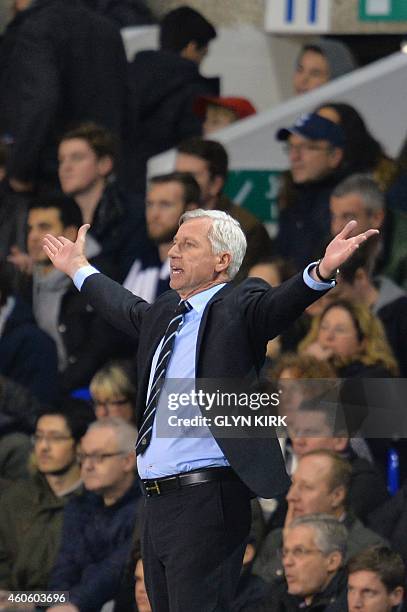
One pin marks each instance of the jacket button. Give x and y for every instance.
(62, 328)
(72, 359)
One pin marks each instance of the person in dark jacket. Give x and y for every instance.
(163, 87)
(87, 156)
(28, 355)
(315, 150)
(376, 581)
(60, 63)
(124, 13)
(98, 525)
(207, 161)
(31, 510)
(313, 554)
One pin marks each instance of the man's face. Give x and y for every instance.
(311, 160)
(164, 206)
(80, 170)
(193, 266)
(101, 474)
(307, 570)
(210, 186)
(140, 593)
(312, 432)
(349, 207)
(217, 117)
(42, 221)
(311, 490)
(54, 447)
(367, 593)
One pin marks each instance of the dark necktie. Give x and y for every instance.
(146, 427)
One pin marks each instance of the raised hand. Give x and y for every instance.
(66, 255)
(341, 248)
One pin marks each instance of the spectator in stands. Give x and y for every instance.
(379, 293)
(362, 152)
(28, 355)
(358, 197)
(84, 341)
(320, 62)
(207, 161)
(113, 391)
(98, 525)
(318, 424)
(31, 511)
(87, 156)
(320, 484)
(315, 149)
(376, 581)
(313, 555)
(124, 13)
(18, 414)
(168, 197)
(352, 339)
(220, 112)
(163, 87)
(140, 593)
(390, 520)
(45, 39)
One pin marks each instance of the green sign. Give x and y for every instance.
(383, 10)
(256, 190)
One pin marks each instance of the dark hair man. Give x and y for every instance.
(31, 510)
(168, 197)
(207, 161)
(376, 581)
(163, 87)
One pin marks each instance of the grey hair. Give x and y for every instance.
(330, 535)
(125, 433)
(225, 235)
(364, 186)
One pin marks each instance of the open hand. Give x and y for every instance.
(66, 255)
(341, 248)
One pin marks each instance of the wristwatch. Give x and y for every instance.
(321, 278)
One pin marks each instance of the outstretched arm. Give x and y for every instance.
(66, 255)
(340, 249)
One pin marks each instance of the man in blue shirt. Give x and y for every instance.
(198, 488)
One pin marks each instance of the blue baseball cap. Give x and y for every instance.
(314, 127)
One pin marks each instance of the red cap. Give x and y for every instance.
(241, 106)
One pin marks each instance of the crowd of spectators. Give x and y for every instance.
(78, 124)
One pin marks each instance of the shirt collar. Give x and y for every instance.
(200, 300)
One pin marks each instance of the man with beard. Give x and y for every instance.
(168, 197)
(31, 510)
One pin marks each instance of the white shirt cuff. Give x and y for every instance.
(82, 274)
(313, 284)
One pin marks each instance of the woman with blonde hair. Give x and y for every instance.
(352, 339)
(114, 392)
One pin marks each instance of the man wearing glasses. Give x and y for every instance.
(98, 525)
(314, 147)
(31, 511)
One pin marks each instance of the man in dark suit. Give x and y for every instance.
(198, 488)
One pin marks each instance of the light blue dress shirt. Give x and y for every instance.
(168, 455)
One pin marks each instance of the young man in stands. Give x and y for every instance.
(87, 158)
(168, 197)
(31, 510)
(376, 581)
(164, 85)
(207, 161)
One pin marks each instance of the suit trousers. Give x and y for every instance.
(193, 544)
